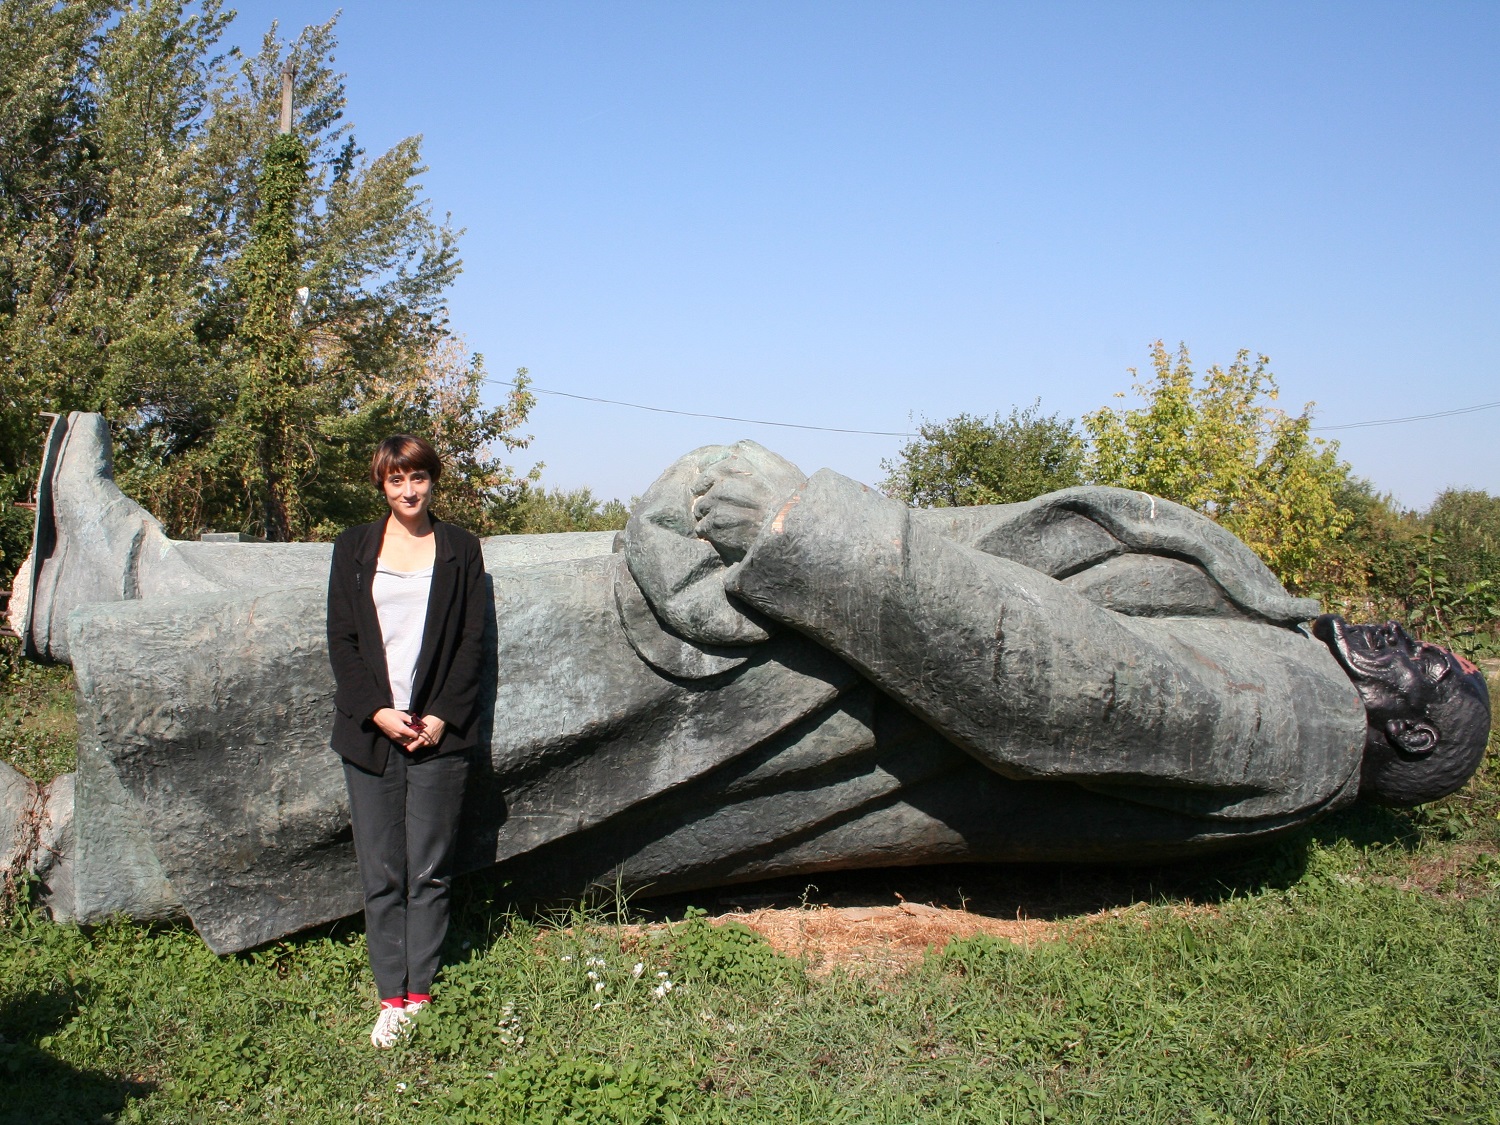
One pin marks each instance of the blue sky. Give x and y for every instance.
(860, 215)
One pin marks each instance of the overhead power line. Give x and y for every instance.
(695, 414)
(906, 434)
(1410, 418)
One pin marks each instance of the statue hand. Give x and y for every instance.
(734, 499)
(693, 525)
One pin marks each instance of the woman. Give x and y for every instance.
(406, 616)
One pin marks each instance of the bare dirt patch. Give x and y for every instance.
(884, 921)
(878, 938)
(1463, 870)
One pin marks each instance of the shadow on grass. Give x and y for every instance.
(483, 911)
(1051, 891)
(38, 1088)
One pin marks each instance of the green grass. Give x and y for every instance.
(38, 722)
(1351, 974)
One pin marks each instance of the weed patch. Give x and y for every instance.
(38, 718)
(729, 955)
(571, 1090)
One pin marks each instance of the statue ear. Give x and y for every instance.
(1412, 735)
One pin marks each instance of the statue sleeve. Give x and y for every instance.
(1207, 716)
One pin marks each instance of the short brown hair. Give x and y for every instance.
(403, 453)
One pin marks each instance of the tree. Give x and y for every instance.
(442, 399)
(97, 237)
(974, 460)
(1367, 574)
(251, 330)
(540, 511)
(1222, 448)
(276, 395)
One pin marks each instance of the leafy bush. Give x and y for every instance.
(729, 954)
(1438, 571)
(974, 460)
(540, 510)
(1458, 579)
(1222, 448)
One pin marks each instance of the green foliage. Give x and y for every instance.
(1464, 615)
(1218, 444)
(1437, 571)
(1460, 574)
(472, 1013)
(730, 955)
(98, 246)
(155, 236)
(1469, 521)
(224, 1069)
(276, 400)
(16, 523)
(542, 511)
(38, 723)
(1221, 448)
(1368, 574)
(973, 460)
(567, 1091)
(1336, 994)
(1323, 984)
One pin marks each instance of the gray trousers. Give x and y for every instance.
(405, 829)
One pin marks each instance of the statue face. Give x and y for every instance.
(1395, 674)
(1428, 710)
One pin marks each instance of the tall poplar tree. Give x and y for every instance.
(275, 404)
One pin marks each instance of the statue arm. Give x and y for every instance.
(1025, 674)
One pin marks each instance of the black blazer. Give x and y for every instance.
(446, 683)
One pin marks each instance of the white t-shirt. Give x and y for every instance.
(401, 605)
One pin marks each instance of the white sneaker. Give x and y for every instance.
(389, 1027)
(414, 1006)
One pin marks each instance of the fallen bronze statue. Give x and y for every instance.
(763, 674)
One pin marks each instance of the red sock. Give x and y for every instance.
(394, 1002)
(418, 997)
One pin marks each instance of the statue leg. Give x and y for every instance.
(93, 544)
(88, 539)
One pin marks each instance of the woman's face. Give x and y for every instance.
(408, 492)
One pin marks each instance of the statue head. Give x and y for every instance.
(1427, 710)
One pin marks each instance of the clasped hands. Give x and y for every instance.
(733, 500)
(407, 731)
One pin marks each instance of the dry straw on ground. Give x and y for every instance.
(878, 937)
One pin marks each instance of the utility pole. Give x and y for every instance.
(288, 72)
